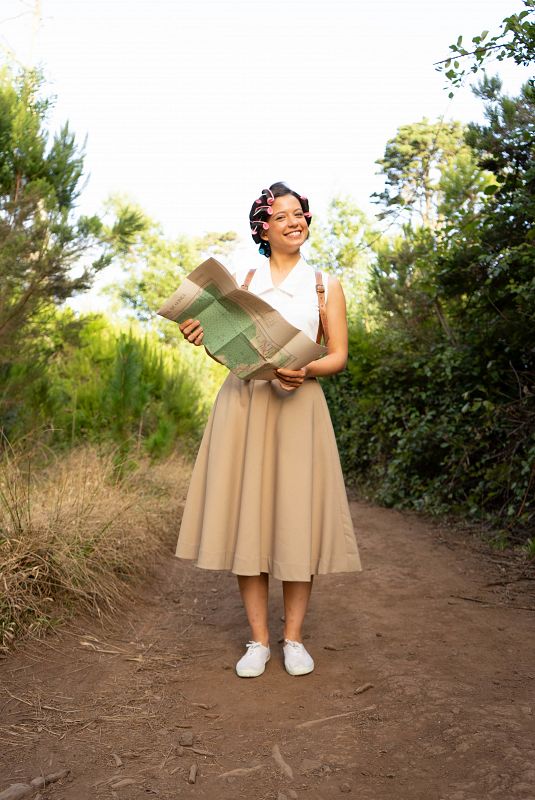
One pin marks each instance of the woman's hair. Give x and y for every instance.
(261, 211)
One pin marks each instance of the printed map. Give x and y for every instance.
(241, 331)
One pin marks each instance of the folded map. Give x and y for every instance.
(241, 330)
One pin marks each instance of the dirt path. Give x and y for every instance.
(449, 715)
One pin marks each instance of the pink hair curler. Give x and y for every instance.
(269, 194)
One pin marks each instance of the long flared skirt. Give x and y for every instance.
(267, 492)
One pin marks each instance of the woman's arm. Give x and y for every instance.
(336, 358)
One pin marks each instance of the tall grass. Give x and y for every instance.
(111, 383)
(74, 535)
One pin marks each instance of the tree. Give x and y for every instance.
(429, 171)
(341, 245)
(434, 187)
(437, 408)
(515, 40)
(41, 238)
(155, 266)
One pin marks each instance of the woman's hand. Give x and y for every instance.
(192, 331)
(291, 379)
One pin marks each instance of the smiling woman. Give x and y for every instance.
(267, 495)
(281, 216)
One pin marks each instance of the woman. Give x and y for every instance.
(267, 494)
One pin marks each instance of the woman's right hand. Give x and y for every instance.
(192, 331)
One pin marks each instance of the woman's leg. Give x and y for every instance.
(254, 593)
(296, 596)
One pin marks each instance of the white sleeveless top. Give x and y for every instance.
(295, 298)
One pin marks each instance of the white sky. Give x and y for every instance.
(191, 107)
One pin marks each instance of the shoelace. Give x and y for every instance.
(295, 645)
(252, 645)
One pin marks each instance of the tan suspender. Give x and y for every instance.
(323, 328)
(248, 279)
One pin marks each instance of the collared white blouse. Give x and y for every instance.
(295, 298)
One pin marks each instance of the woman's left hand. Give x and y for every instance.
(291, 379)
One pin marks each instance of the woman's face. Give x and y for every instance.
(288, 227)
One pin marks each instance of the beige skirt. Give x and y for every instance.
(267, 492)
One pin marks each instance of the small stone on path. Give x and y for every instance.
(186, 738)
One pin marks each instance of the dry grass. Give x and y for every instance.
(73, 535)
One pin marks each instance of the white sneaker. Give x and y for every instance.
(297, 660)
(253, 663)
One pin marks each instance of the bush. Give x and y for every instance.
(427, 429)
(105, 383)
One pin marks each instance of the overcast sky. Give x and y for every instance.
(191, 107)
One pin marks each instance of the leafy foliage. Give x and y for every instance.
(107, 384)
(81, 378)
(341, 245)
(515, 40)
(437, 409)
(430, 174)
(41, 239)
(156, 265)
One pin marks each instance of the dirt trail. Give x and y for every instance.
(130, 708)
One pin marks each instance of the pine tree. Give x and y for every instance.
(41, 237)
